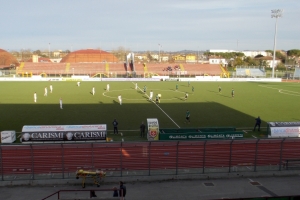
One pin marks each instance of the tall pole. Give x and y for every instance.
(49, 50)
(198, 55)
(275, 14)
(159, 52)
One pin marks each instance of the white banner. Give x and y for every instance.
(8, 136)
(284, 132)
(49, 128)
(153, 129)
(130, 79)
(217, 78)
(64, 133)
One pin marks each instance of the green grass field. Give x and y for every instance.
(208, 107)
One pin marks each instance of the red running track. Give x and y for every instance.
(67, 158)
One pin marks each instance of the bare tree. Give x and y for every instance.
(120, 53)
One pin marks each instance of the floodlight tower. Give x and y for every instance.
(49, 50)
(275, 14)
(159, 46)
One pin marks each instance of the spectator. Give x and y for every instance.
(115, 192)
(187, 116)
(122, 192)
(92, 194)
(142, 128)
(115, 124)
(258, 122)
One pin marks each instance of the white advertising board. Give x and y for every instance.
(41, 128)
(64, 133)
(130, 79)
(283, 129)
(161, 77)
(153, 129)
(217, 78)
(284, 132)
(79, 77)
(8, 136)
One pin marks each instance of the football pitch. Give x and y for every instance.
(208, 107)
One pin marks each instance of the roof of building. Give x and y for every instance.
(89, 55)
(7, 59)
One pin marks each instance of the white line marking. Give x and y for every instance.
(250, 180)
(254, 136)
(159, 107)
(282, 91)
(244, 131)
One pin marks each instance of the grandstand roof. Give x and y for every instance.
(7, 59)
(89, 56)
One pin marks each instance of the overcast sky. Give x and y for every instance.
(139, 25)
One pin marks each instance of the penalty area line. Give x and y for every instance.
(159, 107)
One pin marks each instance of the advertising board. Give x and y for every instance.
(64, 133)
(283, 129)
(199, 136)
(8, 136)
(130, 79)
(153, 129)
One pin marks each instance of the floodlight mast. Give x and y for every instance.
(275, 14)
(159, 46)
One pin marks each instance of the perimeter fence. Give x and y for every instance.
(124, 159)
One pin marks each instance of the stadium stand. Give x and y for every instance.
(240, 72)
(250, 72)
(21, 66)
(257, 73)
(67, 67)
(92, 69)
(297, 72)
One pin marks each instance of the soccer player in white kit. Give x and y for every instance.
(78, 84)
(46, 92)
(186, 96)
(120, 99)
(93, 91)
(151, 96)
(107, 87)
(60, 103)
(34, 97)
(51, 88)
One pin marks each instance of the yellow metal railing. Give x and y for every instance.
(67, 67)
